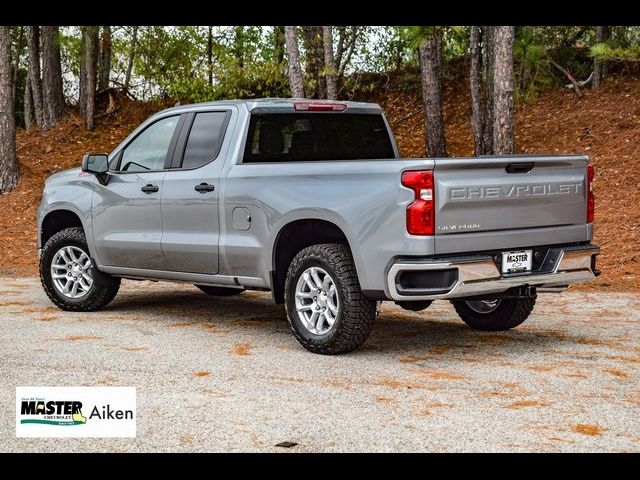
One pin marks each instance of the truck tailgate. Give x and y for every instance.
(509, 201)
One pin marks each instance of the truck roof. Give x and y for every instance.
(275, 105)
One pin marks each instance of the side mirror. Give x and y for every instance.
(96, 163)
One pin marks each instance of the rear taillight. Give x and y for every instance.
(319, 107)
(420, 213)
(591, 199)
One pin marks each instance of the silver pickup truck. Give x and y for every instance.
(311, 200)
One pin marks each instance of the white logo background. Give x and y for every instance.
(118, 398)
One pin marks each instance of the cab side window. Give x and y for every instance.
(205, 138)
(147, 152)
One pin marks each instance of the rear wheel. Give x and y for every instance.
(220, 291)
(69, 276)
(325, 306)
(494, 314)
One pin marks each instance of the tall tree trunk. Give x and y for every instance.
(29, 114)
(278, 43)
(599, 65)
(52, 94)
(82, 81)
(503, 128)
(105, 59)
(238, 45)
(329, 63)
(210, 54)
(314, 56)
(342, 32)
(16, 61)
(489, 73)
(8, 161)
(91, 69)
(33, 41)
(477, 113)
(605, 64)
(431, 64)
(295, 71)
(132, 56)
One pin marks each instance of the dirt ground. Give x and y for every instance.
(225, 374)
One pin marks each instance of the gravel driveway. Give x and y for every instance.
(224, 374)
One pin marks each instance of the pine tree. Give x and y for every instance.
(503, 127)
(295, 71)
(33, 42)
(8, 161)
(488, 62)
(90, 60)
(329, 63)
(599, 64)
(52, 93)
(132, 56)
(477, 111)
(104, 70)
(431, 65)
(312, 40)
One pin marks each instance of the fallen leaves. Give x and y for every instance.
(76, 338)
(518, 404)
(394, 383)
(134, 349)
(442, 374)
(243, 349)
(586, 429)
(616, 372)
(13, 304)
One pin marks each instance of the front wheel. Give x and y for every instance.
(69, 276)
(325, 306)
(494, 314)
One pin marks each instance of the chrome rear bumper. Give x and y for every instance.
(481, 276)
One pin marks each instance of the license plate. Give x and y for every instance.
(517, 261)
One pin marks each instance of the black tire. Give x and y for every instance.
(220, 291)
(510, 313)
(104, 288)
(355, 314)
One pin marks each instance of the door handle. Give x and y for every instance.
(522, 167)
(150, 188)
(204, 188)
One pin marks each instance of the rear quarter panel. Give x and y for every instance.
(363, 198)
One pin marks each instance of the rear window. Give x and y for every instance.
(300, 137)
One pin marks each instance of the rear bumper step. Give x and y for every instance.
(479, 276)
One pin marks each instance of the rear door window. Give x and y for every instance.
(205, 138)
(300, 137)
